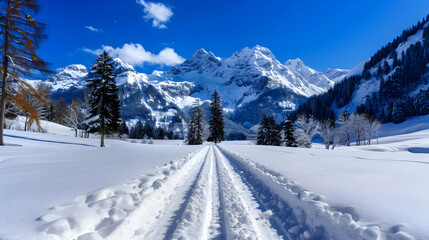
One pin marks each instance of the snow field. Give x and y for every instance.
(213, 192)
(309, 208)
(122, 211)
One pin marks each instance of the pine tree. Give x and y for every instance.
(123, 129)
(217, 133)
(20, 37)
(395, 60)
(398, 112)
(196, 125)
(386, 68)
(269, 132)
(104, 105)
(274, 137)
(289, 132)
(263, 131)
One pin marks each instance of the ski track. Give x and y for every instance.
(209, 194)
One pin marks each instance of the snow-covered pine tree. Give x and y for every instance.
(217, 132)
(289, 132)
(196, 125)
(104, 105)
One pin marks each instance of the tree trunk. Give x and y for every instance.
(102, 132)
(4, 77)
(2, 107)
(25, 123)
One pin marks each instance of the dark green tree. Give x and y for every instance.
(123, 129)
(217, 132)
(290, 140)
(196, 125)
(104, 105)
(263, 131)
(269, 132)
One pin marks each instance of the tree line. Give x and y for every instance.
(196, 124)
(361, 128)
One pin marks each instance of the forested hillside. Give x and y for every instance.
(393, 84)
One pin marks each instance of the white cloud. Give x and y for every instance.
(136, 55)
(93, 29)
(157, 12)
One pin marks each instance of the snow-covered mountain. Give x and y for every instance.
(392, 84)
(336, 75)
(251, 82)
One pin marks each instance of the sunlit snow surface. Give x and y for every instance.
(61, 187)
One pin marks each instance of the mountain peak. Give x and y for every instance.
(121, 66)
(294, 62)
(200, 61)
(256, 53)
(201, 51)
(75, 67)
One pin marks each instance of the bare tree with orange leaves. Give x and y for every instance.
(31, 103)
(20, 36)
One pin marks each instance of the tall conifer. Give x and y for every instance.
(196, 125)
(104, 105)
(217, 133)
(289, 133)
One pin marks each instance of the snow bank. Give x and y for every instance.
(47, 127)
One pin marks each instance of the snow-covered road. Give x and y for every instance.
(210, 194)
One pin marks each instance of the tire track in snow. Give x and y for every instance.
(243, 219)
(171, 215)
(281, 216)
(194, 220)
(217, 226)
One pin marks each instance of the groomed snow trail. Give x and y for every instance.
(233, 215)
(209, 194)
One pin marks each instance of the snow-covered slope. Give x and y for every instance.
(336, 74)
(393, 84)
(372, 85)
(142, 191)
(250, 77)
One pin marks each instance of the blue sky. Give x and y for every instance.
(156, 34)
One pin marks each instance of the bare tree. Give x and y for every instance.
(373, 127)
(325, 130)
(31, 103)
(358, 125)
(75, 116)
(305, 129)
(20, 35)
(345, 128)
